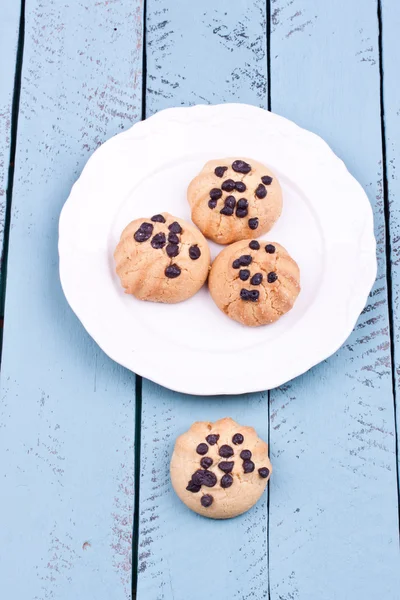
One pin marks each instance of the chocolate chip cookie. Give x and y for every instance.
(162, 259)
(220, 469)
(254, 282)
(234, 199)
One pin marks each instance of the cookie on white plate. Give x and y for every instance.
(221, 469)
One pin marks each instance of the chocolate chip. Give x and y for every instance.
(245, 454)
(212, 203)
(245, 260)
(144, 232)
(267, 180)
(146, 227)
(238, 439)
(248, 466)
(173, 238)
(194, 252)
(242, 203)
(215, 194)
(228, 185)
(241, 213)
(236, 264)
(240, 186)
(225, 451)
(206, 462)
(230, 201)
(249, 295)
(172, 271)
(206, 500)
(202, 449)
(226, 481)
(192, 487)
(256, 279)
(212, 439)
(204, 477)
(227, 211)
(261, 192)
(226, 466)
(158, 219)
(254, 245)
(270, 249)
(175, 227)
(253, 223)
(272, 277)
(219, 171)
(244, 274)
(172, 250)
(241, 167)
(263, 472)
(158, 241)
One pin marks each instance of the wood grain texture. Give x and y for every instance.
(210, 53)
(333, 500)
(67, 411)
(391, 105)
(9, 28)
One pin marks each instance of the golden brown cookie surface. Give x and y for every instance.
(234, 199)
(162, 259)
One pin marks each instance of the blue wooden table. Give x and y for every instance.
(84, 445)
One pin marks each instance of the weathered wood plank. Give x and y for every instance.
(333, 500)
(391, 104)
(216, 52)
(67, 411)
(9, 28)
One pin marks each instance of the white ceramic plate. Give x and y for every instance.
(326, 225)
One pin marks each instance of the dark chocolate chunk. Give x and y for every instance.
(261, 191)
(270, 249)
(202, 449)
(227, 211)
(253, 223)
(228, 185)
(267, 180)
(175, 227)
(173, 238)
(230, 201)
(172, 250)
(219, 171)
(244, 274)
(245, 455)
(256, 279)
(212, 438)
(194, 252)
(206, 500)
(249, 295)
(192, 487)
(238, 439)
(272, 277)
(241, 167)
(204, 477)
(236, 264)
(158, 241)
(226, 465)
(226, 481)
(263, 472)
(172, 271)
(212, 203)
(215, 194)
(245, 260)
(206, 462)
(240, 186)
(144, 232)
(254, 245)
(242, 203)
(241, 213)
(158, 219)
(147, 227)
(248, 466)
(225, 451)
